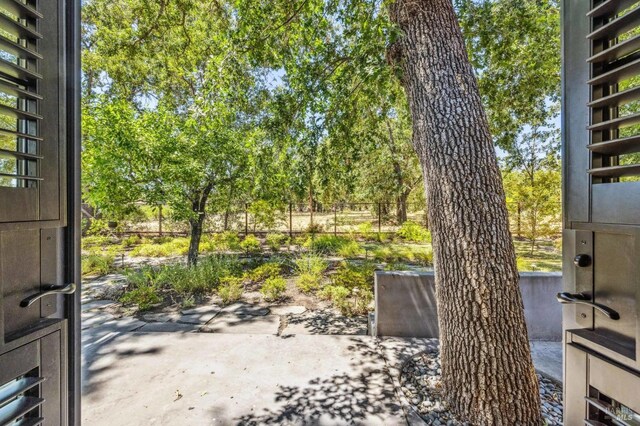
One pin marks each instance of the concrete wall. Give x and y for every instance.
(405, 305)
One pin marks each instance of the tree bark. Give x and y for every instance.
(198, 207)
(487, 372)
(401, 207)
(196, 235)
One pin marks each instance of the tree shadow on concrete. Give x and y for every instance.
(325, 322)
(365, 396)
(99, 352)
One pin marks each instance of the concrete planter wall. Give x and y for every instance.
(405, 305)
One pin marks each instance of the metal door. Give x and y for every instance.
(39, 195)
(601, 194)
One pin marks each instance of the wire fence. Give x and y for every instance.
(342, 218)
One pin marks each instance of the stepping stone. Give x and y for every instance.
(161, 317)
(245, 309)
(168, 327)
(196, 318)
(97, 304)
(92, 319)
(232, 324)
(287, 309)
(110, 329)
(206, 309)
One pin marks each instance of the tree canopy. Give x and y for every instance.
(199, 105)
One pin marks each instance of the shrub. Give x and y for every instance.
(172, 247)
(424, 256)
(327, 244)
(97, 264)
(250, 244)
(311, 264)
(230, 289)
(353, 275)
(308, 282)
(412, 231)
(383, 238)
(396, 267)
(96, 241)
(348, 301)
(144, 296)
(273, 288)
(351, 249)
(365, 230)
(162, 240)
(385, 254)
(275, 241)
(397, 254)
(145, 276)
(131, 240)
(265, 271)
(227, 240)
(351, 290)
(184, 280)
(302, 240)
(98, 227)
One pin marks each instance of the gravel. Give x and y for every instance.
(420, 381)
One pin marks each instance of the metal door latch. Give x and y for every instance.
(583, 299)
(46, 291)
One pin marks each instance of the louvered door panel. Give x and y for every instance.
(30, 383)
(615, 110)
(29, 112)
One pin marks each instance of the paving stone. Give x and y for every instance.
(205, 309)
(245, 309)
(168, 327)
(92, 319)
(234, 324)
(196, 318)
(161, 317)
(287, 309)
(113, 327)
(96, 304)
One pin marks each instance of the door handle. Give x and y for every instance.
(48, 290)
(583, 299)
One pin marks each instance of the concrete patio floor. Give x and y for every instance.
(207, 379)
(184, 378)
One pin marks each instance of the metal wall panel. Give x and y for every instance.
(575, 114)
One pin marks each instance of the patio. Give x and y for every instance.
(248, 365)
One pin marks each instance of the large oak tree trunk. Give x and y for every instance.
(487, 372)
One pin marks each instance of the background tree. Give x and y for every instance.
(532, 180)
(177, 67)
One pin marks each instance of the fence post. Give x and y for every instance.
(160, 220)
(379, 218)
(246, 219)
(335, 220)
(290, 220)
